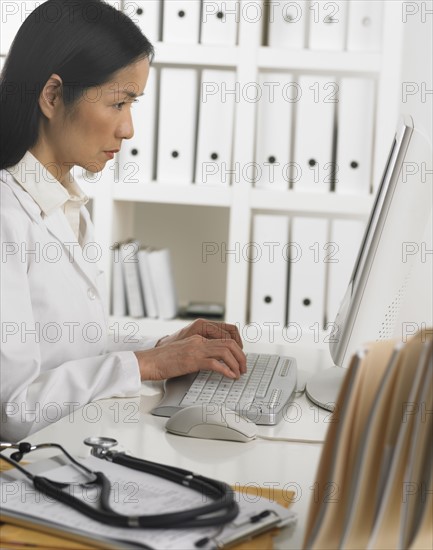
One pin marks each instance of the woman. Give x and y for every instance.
(67, 87)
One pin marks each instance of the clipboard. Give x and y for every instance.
(18, 531)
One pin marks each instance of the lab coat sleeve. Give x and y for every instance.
(33, 396)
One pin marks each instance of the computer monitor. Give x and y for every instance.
(371, 305)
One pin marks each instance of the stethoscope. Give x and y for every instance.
(221, 510)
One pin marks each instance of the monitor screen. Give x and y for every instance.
(370, 309)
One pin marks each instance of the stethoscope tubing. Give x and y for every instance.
(221, 510)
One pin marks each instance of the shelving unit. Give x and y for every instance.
(117, 207)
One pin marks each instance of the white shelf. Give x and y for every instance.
(297, 202)
(195, 195)
(193, 54)
(313, 61)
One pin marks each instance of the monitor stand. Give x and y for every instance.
(323, 388)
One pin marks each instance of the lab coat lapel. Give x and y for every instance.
(59, 227)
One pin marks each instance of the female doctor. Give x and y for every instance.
(66, 91)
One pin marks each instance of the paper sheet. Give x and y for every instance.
(133, 493)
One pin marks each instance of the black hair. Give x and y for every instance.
(83, 41)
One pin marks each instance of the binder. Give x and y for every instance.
(307, 272)
(345, 240)
(328, 22)
(134, 297)
(147, 284)
(181, 22)
(13, 16)
(118, 287)
(177, 125)
(147, 15)
(137, 156)
(269, 269)
(287, 24)
(161, 269)
(274, 128)
(219, 22)
(314, 133)
(215, 128)
(365, 21)
(355, 136)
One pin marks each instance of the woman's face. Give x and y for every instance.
(100, 121)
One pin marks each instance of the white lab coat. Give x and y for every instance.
(55, 352)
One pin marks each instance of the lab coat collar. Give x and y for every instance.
(48, 193)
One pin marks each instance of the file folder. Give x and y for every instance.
(274, 129)
(365, 21)
(147, 284)
(328, 22)
(177, 125)
(13, 16)
(118, 287)
(314, 134)
(355, 135)
(181, 22)
(147, 15)
(219, 22)
(269, 269)
(137, 156)
(134, 297)
(215, 128)
(287, 24)
(307, 272)
(345, 240)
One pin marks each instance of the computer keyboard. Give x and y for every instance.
(261, 395)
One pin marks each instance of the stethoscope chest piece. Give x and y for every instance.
(100, 445)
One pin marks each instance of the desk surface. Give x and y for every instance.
(279, 464)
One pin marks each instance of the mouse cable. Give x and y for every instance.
(290, 440)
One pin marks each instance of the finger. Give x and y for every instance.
(230, 353)
(220, 367)
(222, 331)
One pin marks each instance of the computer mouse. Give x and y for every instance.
(211, 421)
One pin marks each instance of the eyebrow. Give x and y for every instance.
(132, 94)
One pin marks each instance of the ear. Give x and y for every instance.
(51, 96)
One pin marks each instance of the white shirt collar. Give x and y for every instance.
(43, 187)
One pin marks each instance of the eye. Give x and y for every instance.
(118, 106)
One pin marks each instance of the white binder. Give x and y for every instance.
(328, 23)
(269, 269)
(308, 254)
(134, 296)
(345, 240)
(162, 274)
(177, 125)
(365, 21)
(274, 128)
(355, 135)
(181, 22)
(137, 156)
(118, 288)
(313, 168)
(13, 15)
(147, 15)
(287, 24)
(147, 284)
(219, 22)
(215, 128)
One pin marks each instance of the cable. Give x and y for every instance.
(290, 440)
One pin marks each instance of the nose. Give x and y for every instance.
(125, 129)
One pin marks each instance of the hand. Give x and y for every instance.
(203, 327)
(191, 354)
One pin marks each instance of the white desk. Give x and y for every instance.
(282, 465)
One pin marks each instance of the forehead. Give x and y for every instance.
(130, 80)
